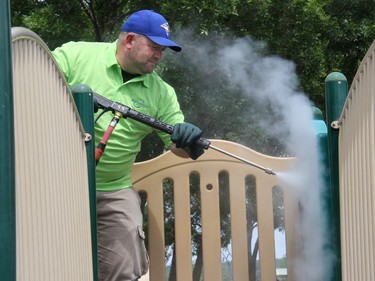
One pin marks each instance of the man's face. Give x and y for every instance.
(142, 55)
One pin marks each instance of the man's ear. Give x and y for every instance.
(129, 38)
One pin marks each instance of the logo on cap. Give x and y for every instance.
(166, 28)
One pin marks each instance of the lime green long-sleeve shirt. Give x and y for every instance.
(95, 65)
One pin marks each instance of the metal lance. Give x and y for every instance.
(266, 170)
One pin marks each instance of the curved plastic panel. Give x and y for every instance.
(148, 177)
(357, 174)
(52, 194)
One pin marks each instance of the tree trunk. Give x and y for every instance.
(252, 268)
(197, 272)
(252, 256)
(172, 272)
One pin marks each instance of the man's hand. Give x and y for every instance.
(184, 136)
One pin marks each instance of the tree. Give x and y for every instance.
(320, 36)
(292, 29)
(106, 17)
(68, 19)
(351, 31)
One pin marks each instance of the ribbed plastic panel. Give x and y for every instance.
(357, 175)
(52, 199)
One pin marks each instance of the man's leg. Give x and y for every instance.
(121, 251)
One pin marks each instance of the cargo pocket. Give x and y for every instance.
(143, 259)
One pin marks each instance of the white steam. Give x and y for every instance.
(273, 82)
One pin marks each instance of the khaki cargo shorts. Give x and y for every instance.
(122, 253)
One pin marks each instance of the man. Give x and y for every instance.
(123, 71)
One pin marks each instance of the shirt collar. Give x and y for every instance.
(111, 55)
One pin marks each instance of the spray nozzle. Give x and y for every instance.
(269, 171)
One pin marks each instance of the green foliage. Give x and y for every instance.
(350, 34)
(292, 29)
(320, 36)
(202, 15)
(106, 17)
(68, 24)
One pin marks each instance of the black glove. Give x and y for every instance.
(195, 151)
(184, 136)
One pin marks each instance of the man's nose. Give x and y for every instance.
(158, 54)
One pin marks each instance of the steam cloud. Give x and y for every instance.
(273, 82)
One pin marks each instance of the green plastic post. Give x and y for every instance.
(322, 142)
(7, 152)
(83, 98)
(336, 86)
(324, 188)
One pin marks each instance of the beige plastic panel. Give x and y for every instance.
(52, 201)
(148, 176)
(357, 175)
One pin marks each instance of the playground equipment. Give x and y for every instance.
(48, 194)
(353, 135)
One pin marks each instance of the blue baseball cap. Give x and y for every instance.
(152, 25)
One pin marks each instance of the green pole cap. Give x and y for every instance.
(317, 113)
(81, 88)
(335, 76)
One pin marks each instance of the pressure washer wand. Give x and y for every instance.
(125, 111)
(266, 170)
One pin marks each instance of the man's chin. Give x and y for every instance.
(148, 70)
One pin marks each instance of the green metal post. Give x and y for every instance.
(336, 87)
(7, 152)
(83, 98)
